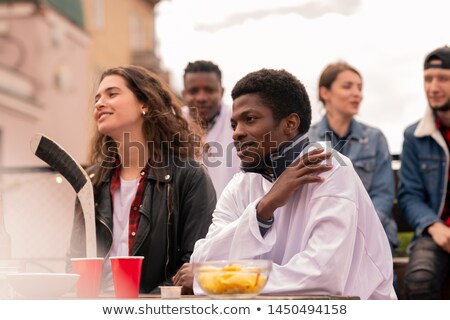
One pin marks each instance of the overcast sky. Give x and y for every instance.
(386, 40)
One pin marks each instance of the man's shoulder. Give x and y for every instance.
(242, 186)
(409, 131)
(337, 159)
(244, 180)
(241, 178)
(341, 181)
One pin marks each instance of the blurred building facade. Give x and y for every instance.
(121, 32)
(51, 53)
(43, 63)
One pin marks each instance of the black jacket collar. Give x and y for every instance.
(275, 164)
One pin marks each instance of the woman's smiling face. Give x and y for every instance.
(117, 110)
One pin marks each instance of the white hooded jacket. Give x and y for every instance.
(327, 240)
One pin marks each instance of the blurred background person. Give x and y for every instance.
(152, 198)
(424, 184)
(340, 91)
(202, 94)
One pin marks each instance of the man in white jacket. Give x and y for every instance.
(202, 94)
(306, 211)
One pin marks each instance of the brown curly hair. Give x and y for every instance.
(165, 129)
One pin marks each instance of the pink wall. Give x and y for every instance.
(53, 48)
(32, 101)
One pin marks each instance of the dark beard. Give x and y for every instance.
(444, 107)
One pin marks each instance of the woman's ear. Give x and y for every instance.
(144, 111)
(324, 93)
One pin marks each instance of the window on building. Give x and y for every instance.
(137, 33)
(99, 13)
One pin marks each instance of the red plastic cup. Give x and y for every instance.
(126, 272)
(90, 271)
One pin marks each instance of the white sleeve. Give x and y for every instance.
(234, 232)
(322, 266)
(320, 250)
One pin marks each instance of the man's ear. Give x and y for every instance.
(222, 91)
(292, 123)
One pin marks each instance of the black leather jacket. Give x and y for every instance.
(176, 211)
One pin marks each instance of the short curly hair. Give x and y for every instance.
(281, 91)
(203, 66)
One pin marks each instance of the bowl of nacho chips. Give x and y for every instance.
(239, 279)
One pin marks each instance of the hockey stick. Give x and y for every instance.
(57, 158)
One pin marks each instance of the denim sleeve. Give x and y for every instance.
(412, 195)
(382, 190)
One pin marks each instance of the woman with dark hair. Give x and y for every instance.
(340, 91)
(152, 197)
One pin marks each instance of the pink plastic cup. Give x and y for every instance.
(90, 271)
(126, 273)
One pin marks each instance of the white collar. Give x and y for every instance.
(427, 125)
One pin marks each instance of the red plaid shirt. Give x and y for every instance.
(135, 205)
(445, 131)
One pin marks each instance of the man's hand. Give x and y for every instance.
(441, 235)
(184, 278)
(300, 172)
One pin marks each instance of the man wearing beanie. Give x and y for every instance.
(424, 192)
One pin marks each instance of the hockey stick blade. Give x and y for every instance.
(56, 157)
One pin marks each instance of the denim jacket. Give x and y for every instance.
(368, 150)
(423, 174)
